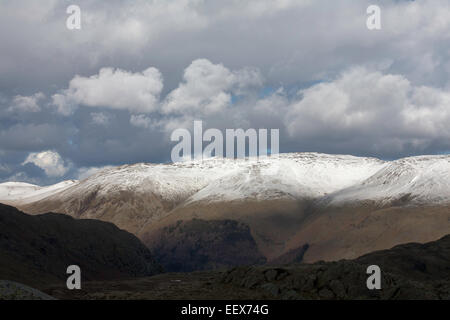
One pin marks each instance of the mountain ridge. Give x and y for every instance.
(286, 201)
(312, 175)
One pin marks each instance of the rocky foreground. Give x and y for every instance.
(410, 271)
(36, 250)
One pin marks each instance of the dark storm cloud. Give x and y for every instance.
(269, 64)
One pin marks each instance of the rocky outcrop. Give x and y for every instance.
(411, 271)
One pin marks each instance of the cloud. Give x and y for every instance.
(290, 41)
(386, 111)
(64, 104)
(140, 120)
(113, 89)
(50, 161)
(101, 118)
(26, 103)
(207, 88)
(4, 169)
(361, 111)
(287, 64)
(31, 136)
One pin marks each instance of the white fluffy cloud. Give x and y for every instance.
(27, 103)
(380, 108)
(114, 89)
(208, 88)
(387, 110)
(50, 161)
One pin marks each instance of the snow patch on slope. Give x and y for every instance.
(15, 190)
(171, 183)
(292, 176)
(335, 179)
(20, 192)
(417, 180)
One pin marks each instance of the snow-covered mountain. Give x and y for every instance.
(338, 178)
(295, 175)
(286, 201)
(15, 190)
(292, 176)
(135, 195)
(416, 180)
(21, 193)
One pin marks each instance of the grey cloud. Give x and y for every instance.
(289, 63)
(295, 42)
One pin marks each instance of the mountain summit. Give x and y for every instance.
(340, 206)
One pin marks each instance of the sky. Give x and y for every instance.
(75, 101)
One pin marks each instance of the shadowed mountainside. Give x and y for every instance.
(204, 245)
(349, 231)
(38, 249)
